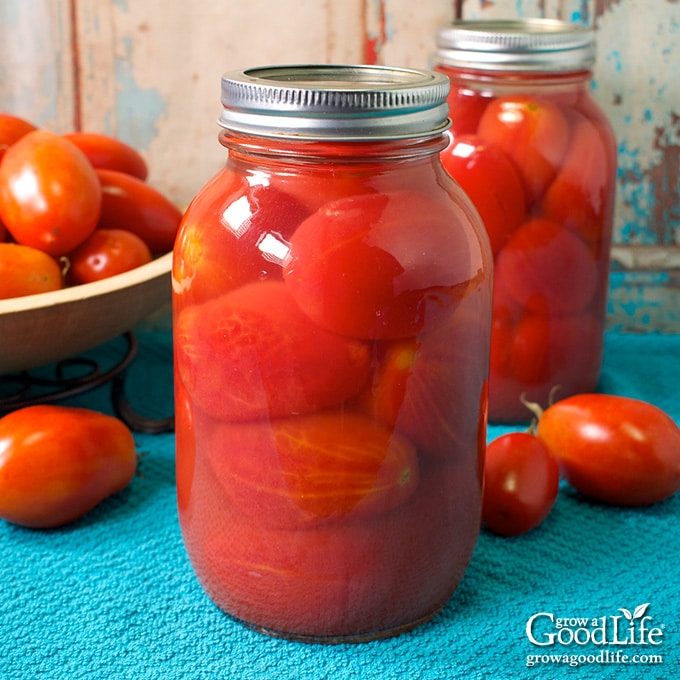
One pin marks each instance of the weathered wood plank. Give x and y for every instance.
(36, 61)
(149, 73)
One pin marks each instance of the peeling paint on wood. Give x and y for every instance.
(149, 73)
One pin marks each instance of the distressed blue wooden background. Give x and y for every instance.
(149, 73)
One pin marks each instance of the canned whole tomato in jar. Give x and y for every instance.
(537, 157)
(331, 315)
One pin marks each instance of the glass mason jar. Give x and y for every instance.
(537, 157)
(331, 317)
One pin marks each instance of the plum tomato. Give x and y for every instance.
(312, 187)
(130, 203)
(548, 269)
(105, 253)
(300, 471)
(12, 128)
(234, 232)
(251, 353)
(521, 483)
(537, 352)
(467, 107)
(491, 181)
(557, 350)
(27, 271)
(383, 265)
(581, 195)
(502, 334)
(110, 153)
(417, 384)
(533, 132)
(50, 197)
(614, 449)
(59, 462)
(333, 579)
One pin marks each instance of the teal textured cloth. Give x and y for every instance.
(113, 595)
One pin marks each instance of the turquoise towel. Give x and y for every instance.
(113, 596)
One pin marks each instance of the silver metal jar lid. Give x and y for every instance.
(335, 102)
(517, 45)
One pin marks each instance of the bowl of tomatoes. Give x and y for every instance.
(85, 243)
(39, 329)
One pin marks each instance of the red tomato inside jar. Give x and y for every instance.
(537, 157)
(332, 304)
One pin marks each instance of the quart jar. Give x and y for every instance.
(537, 156)
(331, 316)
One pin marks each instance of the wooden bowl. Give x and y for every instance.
(36, 330)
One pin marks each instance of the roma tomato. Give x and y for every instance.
(305, 470)
(58, 462)
(105, 253)
(521, 482)
(232, 237)
(12, 128)
(50, 197)
(545, 350)
(467, 108)
(109, 153)
(533, 354)
(533, 132)
(251, 353)
(131, 204)
(313, 187)
(614, 449)
(297, 581)
(581, 195)
(27, 271)
(417, 385)
(492, 183)
(548, 269)
(380, 265)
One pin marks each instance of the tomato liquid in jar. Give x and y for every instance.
(331, 314)
(537, 157)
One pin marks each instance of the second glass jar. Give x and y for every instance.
(537, 156)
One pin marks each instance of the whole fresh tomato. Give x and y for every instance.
(521, 483)
(110, 153)
(548, 269)
(614, 449)
(27, 271)
(233, 236)
(59, 462)
(50, 197)
(12, 128)
(380, 265)
(301, 471)
(105, 253)
(251, 353)
(533, 132)
(491, 181)
(130, 203)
